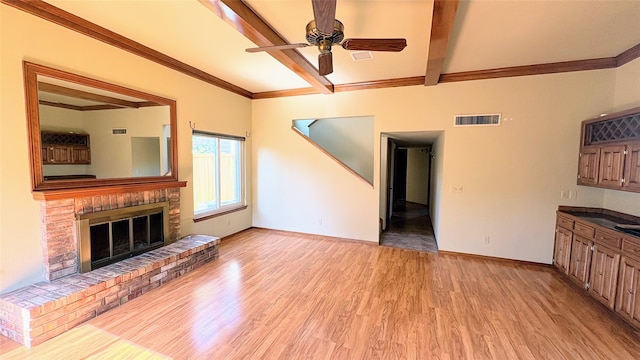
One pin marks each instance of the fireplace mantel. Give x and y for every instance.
(59, 194)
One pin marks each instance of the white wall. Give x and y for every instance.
(111, 155)
(417, 175)
(26, 37)
(512, 175)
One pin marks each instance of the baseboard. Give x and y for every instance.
(493, 258)
(325, 237)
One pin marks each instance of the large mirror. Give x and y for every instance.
(88, 133)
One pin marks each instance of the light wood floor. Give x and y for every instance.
(290, 296)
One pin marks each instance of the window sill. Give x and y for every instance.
(211, 216)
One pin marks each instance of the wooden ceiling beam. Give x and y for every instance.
(253, 27)
(444, 14)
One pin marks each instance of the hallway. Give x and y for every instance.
(410, 228)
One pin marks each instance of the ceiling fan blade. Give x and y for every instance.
(325, 64)
(324, 13)
(277, 47)
(374, 44)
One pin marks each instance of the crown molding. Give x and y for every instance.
(66, 19)
(63, 18)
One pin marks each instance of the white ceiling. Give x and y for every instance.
(487, 34)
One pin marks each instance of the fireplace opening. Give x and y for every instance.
(110, 236)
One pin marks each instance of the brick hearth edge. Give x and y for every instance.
(39, 312)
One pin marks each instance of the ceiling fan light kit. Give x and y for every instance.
(321, 33)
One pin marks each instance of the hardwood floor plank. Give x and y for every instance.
(274, 294)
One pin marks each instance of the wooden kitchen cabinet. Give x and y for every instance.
(610, 151)
(602, 259)
(65, 148)
(580, 260)
(562, 249)
(628, 297)
(65, 155)
(611, 169)
(588, 166)
(632, 167)
(81, 155)
(603, 279)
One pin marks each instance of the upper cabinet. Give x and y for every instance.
(610, 151)
(65, 148)
(632, 167)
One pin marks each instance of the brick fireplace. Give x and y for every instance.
(59, 231)
(67, 297)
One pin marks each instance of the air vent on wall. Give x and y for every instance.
(121, 131)
(477, 120)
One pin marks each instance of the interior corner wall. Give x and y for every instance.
(382, 205)
(27, 37)
(512, 175)
(627, 96)
(437, 168)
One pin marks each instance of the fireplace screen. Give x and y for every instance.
(109, 236)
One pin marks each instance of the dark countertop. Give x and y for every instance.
(606, 218)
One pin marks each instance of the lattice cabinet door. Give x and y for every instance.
(588, 166)
(612, 165)
(632, 167)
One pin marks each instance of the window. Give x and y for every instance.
(218, 173)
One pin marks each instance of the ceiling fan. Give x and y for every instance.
(325, 30)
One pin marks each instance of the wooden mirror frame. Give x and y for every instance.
(58, 189)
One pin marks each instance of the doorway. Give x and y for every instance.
(145, 156)
(408, 171)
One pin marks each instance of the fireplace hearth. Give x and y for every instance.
(129, 222)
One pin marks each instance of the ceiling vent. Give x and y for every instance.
(121, 131)
(361, 55)
(477, 120)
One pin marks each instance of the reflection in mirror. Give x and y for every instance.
(85, 132)
(349, 140)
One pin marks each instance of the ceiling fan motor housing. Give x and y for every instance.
(316, 38)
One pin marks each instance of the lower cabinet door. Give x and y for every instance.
(562, 250)
(628, 297)
(603, 279)
(580, 262)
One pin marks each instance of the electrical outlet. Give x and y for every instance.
(487, 239)
(456, 188)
